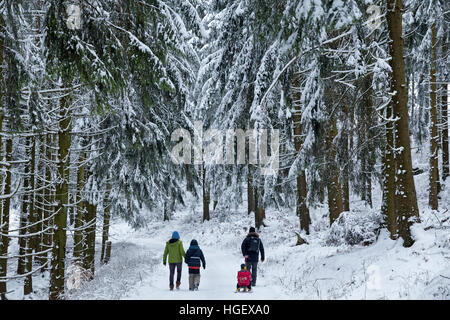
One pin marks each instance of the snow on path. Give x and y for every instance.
(218, 280)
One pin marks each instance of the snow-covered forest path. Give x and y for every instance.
(136, 269)
(217, 281)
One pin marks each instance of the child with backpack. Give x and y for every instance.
(244, 277)
(194, 256)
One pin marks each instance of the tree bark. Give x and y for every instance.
(258, 212)
(368, 157)
(57, 273)
(31, 244)
(250, 192)
(206, 195)
(165, 212)
(389, 172)
(5, 185)
(106, 221)
(4, 243)
(40, 185)
(301, 206)
(445, 151)
(345, 170)
(48, 201)
(406, 200)
(89, 241)
(107, 252)
(189, 179)
(79, 207)
(24, 214)
(335, 204)
(434, 136)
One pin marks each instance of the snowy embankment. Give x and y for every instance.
(382, 270)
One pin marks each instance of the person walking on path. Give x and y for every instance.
(174, 249)
(251, 247)
(194, 256)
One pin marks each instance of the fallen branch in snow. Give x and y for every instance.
(300, 240)
(444, 277)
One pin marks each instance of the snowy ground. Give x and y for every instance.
(136, 270)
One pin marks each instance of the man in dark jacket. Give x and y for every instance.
(194, 256)
(251, 247)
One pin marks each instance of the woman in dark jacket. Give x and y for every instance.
(194, 256)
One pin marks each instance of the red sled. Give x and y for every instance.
(244, 278)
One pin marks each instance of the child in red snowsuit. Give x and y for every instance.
(244, 277)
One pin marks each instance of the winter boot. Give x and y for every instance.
(171, 287)
(178, 285)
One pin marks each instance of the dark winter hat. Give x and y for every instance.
(252, 229)
(175, 235)
(243, 266)
(194, 242)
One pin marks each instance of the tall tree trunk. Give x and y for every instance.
(5, 183)
(368, 157)
(368, 181)
(189, 179)
(48, 201)
(434, 136)
(57, 274)
(6, 205)
(79, 207)
(89, 241)
(389, 171)
(250, 192)
(345, 169)
(32, 229)
(335, 205)
(3, 261)
(40, 193)
(89, 226)
(445, 152)
(206, 195)
(165, 212)
(413, 96)
(301, 207)
(406, 202)
(25, 213)
(106, 221)
(258, 213)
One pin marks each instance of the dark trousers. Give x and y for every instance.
(172, 272)
(252, 266)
